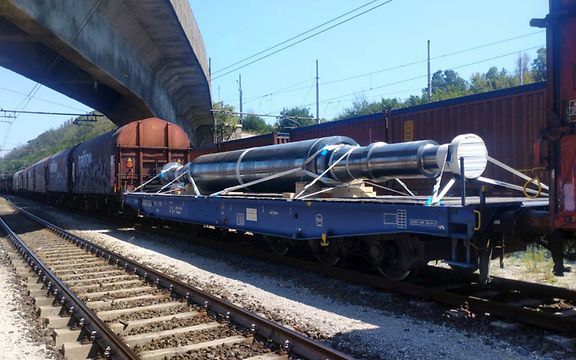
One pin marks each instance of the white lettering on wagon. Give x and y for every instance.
(572, 110)
(175, 209)
(240, 219)
(424, 222)
(84, 160)
(251, 214)
(398, 219)
(319, 220)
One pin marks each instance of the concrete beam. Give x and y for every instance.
(128, 59)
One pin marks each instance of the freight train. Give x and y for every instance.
(290, 193)
(329, 209)
(94, 174)
(397, 156)
(316, 189)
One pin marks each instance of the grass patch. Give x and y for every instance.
(534, 258)
(538, 260)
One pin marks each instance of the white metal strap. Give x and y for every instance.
(271, 177)
(324, 173)
(238, 163)
(516, 172)
(436, 187)
(171, 182)
(388, 189)
(509, 186)
(448, 186)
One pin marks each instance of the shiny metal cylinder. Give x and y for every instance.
(339, 159)
(214, 172)
(379, 160)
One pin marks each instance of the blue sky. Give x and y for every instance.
(389, 36)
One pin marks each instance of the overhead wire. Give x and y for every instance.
(294, 37)
(395, 67)
(32, 93)
(280, 91)
(41, 99)
(302, 40)
(458, 52)
(425, 75)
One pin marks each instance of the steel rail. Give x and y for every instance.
(498, 309)
(537, 290)
(112, 345)
(288, 339)
(502, 310)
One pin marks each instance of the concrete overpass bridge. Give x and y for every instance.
(128, 59)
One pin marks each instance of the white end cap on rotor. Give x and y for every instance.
(469, 146)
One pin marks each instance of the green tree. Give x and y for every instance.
(361, 106)
(255, 124)
(226, 121)
(448, 84)
(538, 66)
(415, 100)
(295, 117)
(494, 79)
(51, 142)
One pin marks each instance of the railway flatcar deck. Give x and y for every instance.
(329, 217)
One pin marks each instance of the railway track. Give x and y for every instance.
(516, 302)
(543, 306)
(102, 304)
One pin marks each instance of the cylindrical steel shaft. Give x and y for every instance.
(339, 158)
(215, 172)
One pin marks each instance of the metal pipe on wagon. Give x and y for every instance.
(339, 159)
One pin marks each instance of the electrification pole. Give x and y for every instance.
(240, 91)
(429, 78)
(521, 68)
(317, 95)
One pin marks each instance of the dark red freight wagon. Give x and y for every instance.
(39, 174)
(29, 182)
(6, 184)
(105, 166)
(59, 175)
(365, 129)
(272, 138)
(18, 184)
(508, 120)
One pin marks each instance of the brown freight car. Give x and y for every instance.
(272, 138)
(39, 176)
(365, 129)
(508, 120)
(29, 182)
(6, 184)
(105, 166)
(59, 175)
(18, 184)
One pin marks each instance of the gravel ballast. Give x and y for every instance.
(15, 328)
(355, 319)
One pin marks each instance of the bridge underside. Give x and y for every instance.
(128, 59)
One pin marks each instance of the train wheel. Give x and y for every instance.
(279, 246)
(328, 252)
(328, 257)
(390, 259)
(391, 273)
